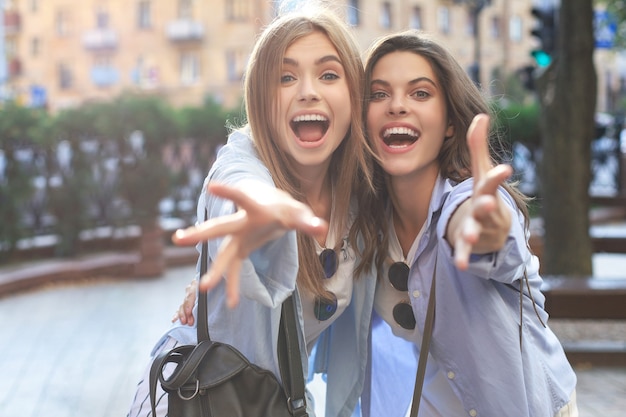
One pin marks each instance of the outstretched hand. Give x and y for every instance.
(263, 214)
(482, 223)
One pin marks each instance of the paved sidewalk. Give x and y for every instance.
(78, 349)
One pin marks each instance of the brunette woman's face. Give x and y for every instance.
(406, 117)
(313, 101)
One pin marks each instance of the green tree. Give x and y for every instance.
(140, 127)
(71, 194)
(18, 128)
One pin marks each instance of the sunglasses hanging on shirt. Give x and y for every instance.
(325, 307)
(398, 275)
(328, 259)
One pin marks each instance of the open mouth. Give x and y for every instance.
(310, 127)
(397, 137)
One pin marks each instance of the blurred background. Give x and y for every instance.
(111, 113)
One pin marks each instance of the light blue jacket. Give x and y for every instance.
(267, 278)
(476, 338)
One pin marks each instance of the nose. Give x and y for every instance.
(396, 106)
(307, 90)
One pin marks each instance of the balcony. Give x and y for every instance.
(185, 30)
(98, 39)
(12, 22)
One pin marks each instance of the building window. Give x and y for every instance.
(443, 20)
(66, 79)
(35, 47)
(237, 10)
(236, 62)
(145, 74)
(385, 15)
(189, 69)
(471, 24)
(353, 13)
(515, 29)
(143, 15)
(102, 19)
(34, 5)
(103, 74)
(62, 23)
(416, 18)
(184, 9)
(496, 27)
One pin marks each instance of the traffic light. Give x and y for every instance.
(545, 32)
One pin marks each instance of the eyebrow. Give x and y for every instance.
(322, 60)
(414, 81)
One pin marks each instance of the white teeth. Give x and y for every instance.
(399, 131)
(310, 118)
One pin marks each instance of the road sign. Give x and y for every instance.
(605, 27)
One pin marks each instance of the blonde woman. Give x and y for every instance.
(303, 147)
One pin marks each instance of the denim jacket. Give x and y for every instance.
(268, 277)
(476, 335)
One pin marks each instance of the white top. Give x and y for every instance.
(438, 399)
(339, 284)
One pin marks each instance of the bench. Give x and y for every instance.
(588, 298)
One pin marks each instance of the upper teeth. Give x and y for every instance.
(310, 118)
(399, 131)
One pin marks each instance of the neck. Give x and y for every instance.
(317, 193)
(410, 196)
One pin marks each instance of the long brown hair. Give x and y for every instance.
(350, 167)
(463, 101)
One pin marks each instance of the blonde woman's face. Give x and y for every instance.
(407, 116)
(313, 102)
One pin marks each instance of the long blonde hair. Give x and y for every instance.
(350, 167)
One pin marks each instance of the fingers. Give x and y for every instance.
(185, 312)
(232, 285)
(305, 221)
(210, 229)
(226, 257)
(492, 179)
(477, 141)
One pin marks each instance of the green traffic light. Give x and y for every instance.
(542, 58)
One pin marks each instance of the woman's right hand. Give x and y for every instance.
(185, 312)
(264, 213)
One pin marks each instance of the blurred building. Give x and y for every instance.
(65, 52)
(60, 53)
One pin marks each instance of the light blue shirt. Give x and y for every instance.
(476, 340)
(268, 277)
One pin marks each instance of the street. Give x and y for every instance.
(79, 349)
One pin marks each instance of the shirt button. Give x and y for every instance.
(451, 375)
(416, 293)
(473, 413)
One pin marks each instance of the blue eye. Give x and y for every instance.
(287, 79)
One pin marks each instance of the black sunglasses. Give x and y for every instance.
(326, 307)
(398, 275)
(328, 259)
